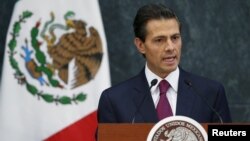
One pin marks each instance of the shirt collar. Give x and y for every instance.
(172, 78)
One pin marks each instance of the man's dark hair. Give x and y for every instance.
(151, 12)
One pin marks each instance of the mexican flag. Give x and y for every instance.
(55, 68)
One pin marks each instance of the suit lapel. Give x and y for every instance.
(143, 100)
(185, 97)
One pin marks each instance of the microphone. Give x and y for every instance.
(216, 113)
(152, 83)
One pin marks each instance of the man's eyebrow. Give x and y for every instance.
(176, 34)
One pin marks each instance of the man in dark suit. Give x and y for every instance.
(158, 37)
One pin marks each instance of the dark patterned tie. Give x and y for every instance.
(163, 107)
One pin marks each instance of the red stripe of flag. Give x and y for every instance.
(82, 130)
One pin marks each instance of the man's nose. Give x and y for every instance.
(169, 45)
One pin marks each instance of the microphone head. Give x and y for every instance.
(154, 82)
(188, 82)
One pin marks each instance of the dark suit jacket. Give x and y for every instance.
(131, 101)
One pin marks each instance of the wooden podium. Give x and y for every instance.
(126, 132)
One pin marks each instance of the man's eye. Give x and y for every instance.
(175, 38)
(159, 40)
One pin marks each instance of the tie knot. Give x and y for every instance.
(164, 85)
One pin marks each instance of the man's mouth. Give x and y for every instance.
(169, 59)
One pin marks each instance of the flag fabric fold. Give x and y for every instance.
(55, 68)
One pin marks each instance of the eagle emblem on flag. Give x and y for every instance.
(55, 57)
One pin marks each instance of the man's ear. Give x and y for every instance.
(139, 45)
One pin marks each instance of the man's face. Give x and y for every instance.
(162, 46)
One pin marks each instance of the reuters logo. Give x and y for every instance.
(177, 128)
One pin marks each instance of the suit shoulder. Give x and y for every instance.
(201, 80)
(122, 87)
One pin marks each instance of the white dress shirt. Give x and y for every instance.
(171, 94)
